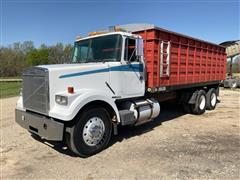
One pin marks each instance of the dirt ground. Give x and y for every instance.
(174, 146)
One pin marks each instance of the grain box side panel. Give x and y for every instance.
(191, 60)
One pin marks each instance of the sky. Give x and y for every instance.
(52, 21)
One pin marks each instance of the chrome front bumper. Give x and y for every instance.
(45, 127)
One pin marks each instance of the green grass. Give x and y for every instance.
(9, 89)
(14, 77)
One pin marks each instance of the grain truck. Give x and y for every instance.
(118, 77)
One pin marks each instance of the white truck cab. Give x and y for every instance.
(83, 102)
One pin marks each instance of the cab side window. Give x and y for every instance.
(130, 50)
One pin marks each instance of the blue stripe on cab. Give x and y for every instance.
(129, 67)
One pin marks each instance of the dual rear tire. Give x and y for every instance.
(211, 99)
(200, 105)
(203, 101)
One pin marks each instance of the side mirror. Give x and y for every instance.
(139, 47)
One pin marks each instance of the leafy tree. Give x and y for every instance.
(68, 53)
(16, 57)
(26, 47)
(37, 57)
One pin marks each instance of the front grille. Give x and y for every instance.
(36, 90)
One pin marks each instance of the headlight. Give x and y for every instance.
(62, 100)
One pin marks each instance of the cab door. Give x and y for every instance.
(132, 71)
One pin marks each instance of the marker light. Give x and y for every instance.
(78, 37)
(117, 29)
(92, 33)
(97, 33)
(70, 90)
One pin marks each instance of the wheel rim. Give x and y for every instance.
(202, 102)
(234, 85)
(93, 131)
(213, 99)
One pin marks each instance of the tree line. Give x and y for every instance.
(18, 56)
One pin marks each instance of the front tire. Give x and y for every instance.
(92, 132)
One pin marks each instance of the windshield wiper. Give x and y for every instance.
(103, 60)
(108, 60)
(82, 61)
(96, 60)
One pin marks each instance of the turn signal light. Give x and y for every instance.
(70, 90)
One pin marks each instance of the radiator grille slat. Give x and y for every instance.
(36, 90)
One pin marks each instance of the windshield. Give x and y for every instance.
(99, 49)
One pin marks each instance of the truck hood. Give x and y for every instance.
(64, 67)
(83, 77)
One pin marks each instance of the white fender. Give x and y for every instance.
(80, 99)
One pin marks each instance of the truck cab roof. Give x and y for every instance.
(109, 33)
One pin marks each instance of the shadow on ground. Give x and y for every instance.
(168, 112)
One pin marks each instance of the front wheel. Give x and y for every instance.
(92, 132)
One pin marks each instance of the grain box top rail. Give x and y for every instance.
(142, 27)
